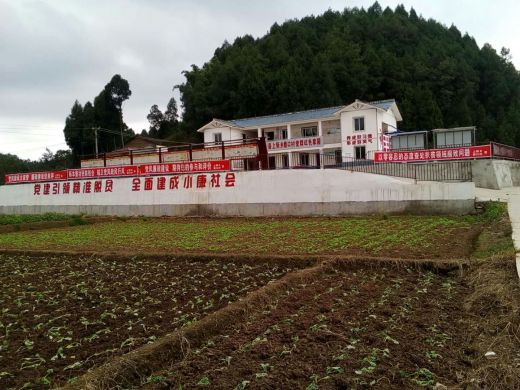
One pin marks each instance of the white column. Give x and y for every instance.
(289, 136)
(259, 132)
(320, 134)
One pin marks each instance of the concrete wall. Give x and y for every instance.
(496, 174)
(258, 193)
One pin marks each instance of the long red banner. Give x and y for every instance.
(466, 152)
(120, 171)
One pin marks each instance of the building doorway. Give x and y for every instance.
(272, 162)
(361, 153)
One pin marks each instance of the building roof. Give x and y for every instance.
(383, 104)
(319, 113)
(399, 132)
(298, 116)
(454, 129)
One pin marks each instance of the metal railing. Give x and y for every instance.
(505, 152)
(424, 171)
(179, 153)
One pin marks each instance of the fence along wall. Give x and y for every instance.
(256, 193)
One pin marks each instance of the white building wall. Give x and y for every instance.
(347, 130)
(374, 119)
(228, 134)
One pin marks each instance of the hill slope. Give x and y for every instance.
(438, 76)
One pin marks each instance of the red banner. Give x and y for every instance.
(307, 142)
(87, 173)
(185, 167)
(466, 152)
(120, 171)
(30, 177)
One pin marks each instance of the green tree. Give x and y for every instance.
(437, 75)
(156, 119)
(106, 114)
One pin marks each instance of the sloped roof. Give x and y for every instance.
(287, 117)
(298, 116)
(383, 104)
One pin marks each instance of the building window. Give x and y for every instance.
(283, 134)
(334, 130)
(304, 159)
(359, 124)
(217, 137)
(311, 131)
(270, 135)
(384, 127)
(361, 153)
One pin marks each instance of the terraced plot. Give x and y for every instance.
(386, 328)
(60, 316)
(393, 236)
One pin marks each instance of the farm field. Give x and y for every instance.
(239, 321)
(61, 316)
(392, 236)
(350, 328)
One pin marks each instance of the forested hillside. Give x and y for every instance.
(438, 76)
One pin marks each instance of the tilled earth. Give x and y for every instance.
(61, 316)
(386, 328)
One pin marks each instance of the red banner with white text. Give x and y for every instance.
(120, 171)
(32, 177)
(466, 152)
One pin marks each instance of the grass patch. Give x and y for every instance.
(27, 218)
(495, 239)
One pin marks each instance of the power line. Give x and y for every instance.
(29, 134)
(38, 147)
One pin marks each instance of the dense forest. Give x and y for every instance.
(438, 76)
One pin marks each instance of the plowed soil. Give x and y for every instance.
(386, 328)
(61, 316)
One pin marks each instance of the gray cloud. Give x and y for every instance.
(56, 51)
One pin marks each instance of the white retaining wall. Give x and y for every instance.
(496, 174)
(256, 193)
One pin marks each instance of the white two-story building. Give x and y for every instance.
(302, 138)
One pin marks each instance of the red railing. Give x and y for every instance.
(506, 152)
(183, 152)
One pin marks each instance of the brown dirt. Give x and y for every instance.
(329, 332)
(68, 314)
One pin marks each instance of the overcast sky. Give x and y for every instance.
(55, 51)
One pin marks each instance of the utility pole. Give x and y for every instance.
(121, 125)
(95, 133)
